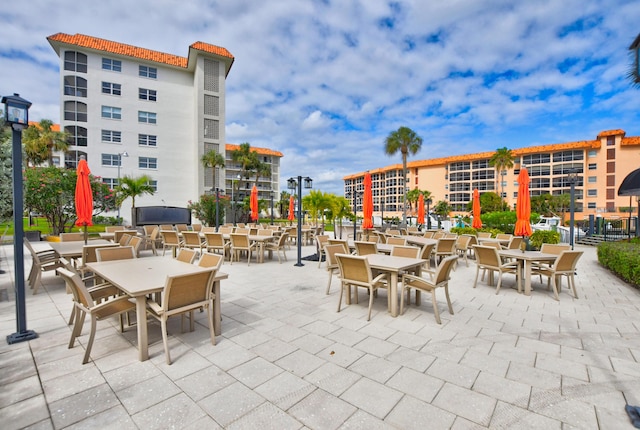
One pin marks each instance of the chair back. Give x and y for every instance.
(166, 227)
(115, 253)
(567, 261)
(240, 225)
(443, 272)
(244, 231)
(253, 231)
(446, 244)
(503, 236)
(212, 229)
(282, 240)
(484, 234)
(331, 251)
(89, 252)
(554, 248)
(135, 242)
(487, 256)
(354, 269)
(191, 238)
(396, 241)
(438, 235)
(473, 240)
(341, 242)
(182, 227)
(514, 242)
(196, 227)
(427, 250)
(186, 255)
(117, 235)
(365, 248)
(154, 233)
(239, 240)
(78, 289)
(223, 229)
(124, 239)
(214, 239)
(113, 228)
(428, 234)
(170, 237)
(265, 232)
(493, 244)
(393, 232)
(148, 229)
(208, 259)
(71, 237)
(462, 242)
(187, 291)
(406, 251)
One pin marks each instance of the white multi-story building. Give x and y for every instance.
(133, 111)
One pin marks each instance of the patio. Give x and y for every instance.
(286, 359)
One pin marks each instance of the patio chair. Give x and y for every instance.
(148, 229)
(321, 240)
(212, 229)
(183, 294)
(393, 232)
(428, 234)
(115, 253)
(487, 258)
(462, 247)
(265, 232)
(441, 280)
(365, 248)
(355, 271)
(427, 252)
(152, 240)
(136, 242)
(278, 246)
(166, 227)
(215, 242)
(406, 251)
(240, 243)
(117, 235)
(438, 235)
(396, 241)
(182, 227)
(113, 228)
(332, 262)
(43, 261)
(196, 227)
(89, 256)
(514, 243)
(342, 242)
(484, 235)
(208, 259)
(171, 240)
(84, 304)
(503, 236)
(191, 239)
(71, 237)
(187, 255)
(564, 265)
(445, 247)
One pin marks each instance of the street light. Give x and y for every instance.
(16, 113)
(233, 209)
(291, 184)
(428, 202)
(353, 193)
(271, 195)
(572, 178)
(120, 155)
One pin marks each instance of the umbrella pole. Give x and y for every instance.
(85, 234)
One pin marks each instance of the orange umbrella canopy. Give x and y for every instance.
(523, 205)
(83, 195)
(367, 203)
(477, 222)
(254, 203)
(292, 206)
(421, 209)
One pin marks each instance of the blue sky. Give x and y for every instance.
(325, 82)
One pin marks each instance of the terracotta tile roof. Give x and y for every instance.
(611, 133)
(629, 141)
(134, 51)
(263, 151)
(54, 127)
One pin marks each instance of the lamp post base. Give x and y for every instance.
(21, 337)
(298, 264)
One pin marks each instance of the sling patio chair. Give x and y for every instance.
(355, 271)
(487, 258)
(564, 265)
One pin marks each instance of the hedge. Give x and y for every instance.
(621, 258)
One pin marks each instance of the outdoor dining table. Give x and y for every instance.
(502, 242)
(527, 258)
(260, 240)
(139, 277)
(381, 247)
(74, 249)
(419, 240)
(392, 266)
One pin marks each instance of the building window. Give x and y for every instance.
(75, 86)
(111, 160)
(536, 159)
(611, 140)
(611, 167)
(154, 185)
(593, 166)
(76, 135)
(71, 158)
(111, 88)
(611, 193)
(147, 163)
(147, 140)
(111, 136)
(591, 205)
(111, 182)
(113, 65)
(111, 112)
(146, 117)
(592, 179)
(75, 111)
(592, 153)
(75, 61)
(144, 94)
(148, 72)
(611, 154)
(611, 180)
(592, 193)
(568, 156)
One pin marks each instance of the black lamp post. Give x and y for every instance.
(16, 113)
(271, 195)
(292, 183)
(120, 155)
(572, 178)
(217, 209)
(428, 202)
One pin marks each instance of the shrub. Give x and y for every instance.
(205, 209)
(543, 236)
(621, 258)
(464, 230)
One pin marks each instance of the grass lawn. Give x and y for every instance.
(39, 223)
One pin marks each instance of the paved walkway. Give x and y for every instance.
(287, 360)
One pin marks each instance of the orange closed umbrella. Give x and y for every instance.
(254, 203)
(292, 206)
(367, 203)
(421, 209)
(477, 222)
(83, 197)
(523, 205)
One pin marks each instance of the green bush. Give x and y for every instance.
(494, 231)
(621, 258)
(464, 230)
(543, 236)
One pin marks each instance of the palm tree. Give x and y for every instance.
(133, 187)
(340, 208)
(40, 140)
(501, 160)
(412, 198)
(247, 158)
(316, 202)
(406, 141)
(212, 159)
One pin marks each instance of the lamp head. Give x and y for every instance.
(16, 109)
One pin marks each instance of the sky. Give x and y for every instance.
(326, 81)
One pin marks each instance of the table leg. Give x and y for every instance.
(393, 294)
(217, 317)
(141, 320)
(418, 292)
(527, 277)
